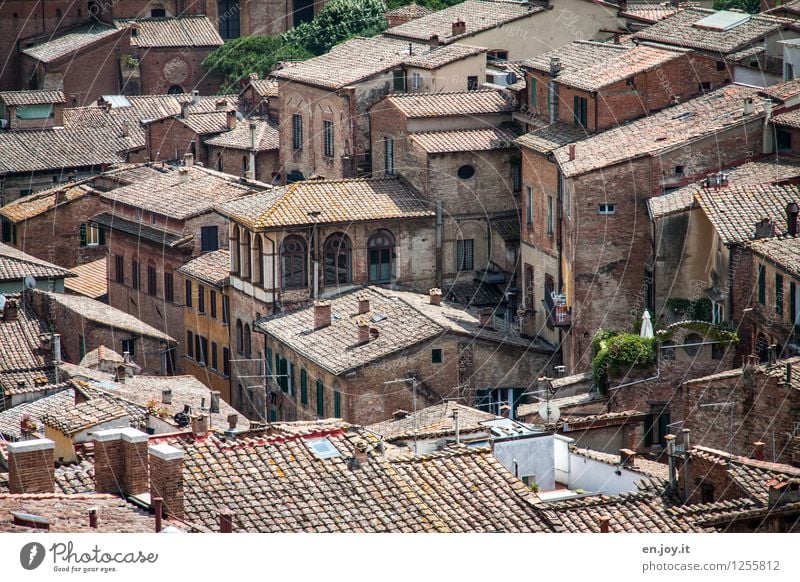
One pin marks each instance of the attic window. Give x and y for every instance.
(324, 449)
(158, 13)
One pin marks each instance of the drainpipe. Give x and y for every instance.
(439, 243)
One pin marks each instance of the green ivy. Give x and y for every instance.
(620, 351)
(696, 310)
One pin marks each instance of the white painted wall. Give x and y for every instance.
(598, 477)
(534, 456)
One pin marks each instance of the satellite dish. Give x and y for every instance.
(2, 302)
(549, 412)
(30, 282)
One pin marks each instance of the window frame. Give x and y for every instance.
(465, 254)
(297, 132)
(296, 277)
(188, 293)
(606, 209)
(152, 281)
(327, 139)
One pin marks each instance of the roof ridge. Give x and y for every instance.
(438, 94)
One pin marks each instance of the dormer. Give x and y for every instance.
(31, 109)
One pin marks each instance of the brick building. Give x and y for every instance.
(250, 150)
(323, 102)
(16, 265)
(332, 359)
(259, 97)
(206, 352)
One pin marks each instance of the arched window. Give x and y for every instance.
(246, 272)
(258, 260)
(381, 256)
(337, 257)
(236, 258)
(246, 338)
(293, 263)
(175, 90)
(239, 337)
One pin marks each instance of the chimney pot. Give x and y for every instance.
(435, 295)
(765, 228)
(158, 508)
(627, 458)
(363, 330)
(604, 521)
(166, 396)
(792, 210)
(183, 175)
(459, 27)
(225, 521)
(363, 303)
(749, 106)
(571, 152)
(400, 414)
(322, 314)
(93, 518)
(233, 419)
(215, 395)
(486, 317)
(188, 160)
(433, 41)
(758, 450)
(230, 118)
(200, 425)
(31, 466)
(555, 66)
(185, 109)
(11, 311)
(195, 96)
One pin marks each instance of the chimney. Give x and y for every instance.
(125, 130)
(783, 492)
(749, 106)
(195, 97)
(433, 41)
(61, 196)
(486, 317)
(322, 314)
(363, 303)
(158, 509)
(183, 175)
(456, 426)
(435, 296)
(10, 312)
(93, 517)
(792, 210)
(221, 105)
(81, 395)
(627, 458)
(758, 450)
(555, 66)
(363, 330)
(188, 160)
(616, 38)
(252, 126)
(673, 473)
(185, 105)
(200, 425)
(230, 118)
(215, 394)
(623, 5)
(604, 521)
(57, 349)
(788, 373)
(120, 374)
(233, 419)
(31, 466)
(120, 461)
(571, 152)
(400, 414)
(459, 27)
(765, 228)
(225, 521)
(166, 477)
(166, 396)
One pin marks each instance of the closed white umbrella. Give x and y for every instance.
(647, 325)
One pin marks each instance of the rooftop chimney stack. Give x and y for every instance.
(749, 106)
(433, 41)
(195, 97)
(400, 414)
(126, 131)
(758, 450)
(252, 127)
(363, 303)
(765, 228)
(792, 210)
(435, 296)
(158, 509)
(225, 521)
(57, 349)
(230, 119)
(120, 461)
(31, 466)
(233, 420)
(555, 66)
(221, 105)
(571, 152)
(166, 396)
(363, 330)
(459, 27)
(604, 522)
(183, 175)
(93, 518)
(188, 160)
(200, 425)
(185, 105)
(322, 314)
(10, 311)
(166, 477)
(215, 395)
(627, 458)
(782, 492)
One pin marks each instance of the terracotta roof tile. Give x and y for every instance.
(91, 280)
(431, 422)
(783, 91)
(212, 268)
(551, 137)
(788, 119)
(28, 207)
(464, 140)
(60, 45)
(415, 105)
(181, 31)
(86, 415)
(31, 97)
(577, 56)
(266, 137)
(441, 55)
(410, 10)
(15, 265)
(784, 252)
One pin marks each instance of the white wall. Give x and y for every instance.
(598, 477)
(534, 456)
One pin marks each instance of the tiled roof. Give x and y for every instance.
(73, 419)
(37, 381)
(463, 490)
(640, 465)
(30, 206)
(648, 13)
(703, 116)
(206, 123)
(337, 201)
(551, 137)
(60, 45)
(93, 358)
(202, 190)
(410, 11)
(477, 15)
(432, 421)
(182, 31)
(9, 419)
(464, 140)
(784, 251)
(783, 91)
(31, 97)
(91, 279)
(75, 479)
(239, 138)
(788, 119)
(69, 513)
(507, 227)
(16, 265)
(766, 171)
(577, 56)
(441, 55)
(681, 29)
(212, 268)
(415, 105)
(734, 211)
(265, 87)
(104, 314)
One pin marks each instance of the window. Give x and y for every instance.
(779, 294)
(245, 271)
(188, 293)
(472, 83)
(717, 313)
(320, 399)
(158, 13)
(245, 166)
(416, 81)
(8, 231)
(528, 205)
(381, 254)
(784, 140)
(579, 106)
(327, 133)
(762, 285)
(214, 362)
(226, 309)
(793, 302)
(689, 344)
(169, 289)
(239, 337)
(516, 177)
(246, 339)
(550, 216)
(704, 87)
(399, 80)
(464, 255)
(388, 155)
(337, 255)
(209, 238)
(200, 349)
(337, 404)
(135, 274)
(466, 172)
(190, 344)
(679, 170)
(228, 21)
(436, 356)
(303, 387)
(532, 96)
(293, 263)
(25, 192)
(201, 299)
(297, 131)
(119, 269)
(91, 235)
(226, 361)
(212, 300)
(607, 209)
(152, 285)
(129, 346)
(236, 251)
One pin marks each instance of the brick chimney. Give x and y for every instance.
(486, 317)
(792, 210)
(604, 521)
(166, 477)
(363, 303)
(781, 492)
(10, 311)
(31, 466)
(433, 41)
(188, 160)
(322, 314)
(627, 458)
(215, 395)
(225, 521)
(221, 105)
(571, 151)
(758, 450)
(363, 330)
(435, 296)
(183, 175)
(185, 109)
(200, 425)
(459, 27)
(233, 420)
(120, 461)
(230, 119)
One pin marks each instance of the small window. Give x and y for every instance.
(550, 216)
(607, 209)
(779, 294)
(532, 95)
(226, 309)
(579, 111)
(152, 286)
(720, 65)
(679, 170)
(214, 360)
(704, 87)
(129, 345)
(327, 130)
(226, 361)
(303, 387)
(320, 399)
(188, 293)
(212, 300)
(120, 269)
(472, 83)
(135, 274)
(529, 205)
(337, 404)
(516, 177)
(436, 356)
(209, 239)
(399, 80)
(169, 288)
(91, 235)
(297, 131)
(631, 82)
(416, 81)
(158, 13)
(784, 140)
(762, 285)
(466, 172)
(201, 299)
(388, 155)
(324, 449)
(190, 344)
(464, 255)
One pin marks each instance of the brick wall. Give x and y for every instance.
(169, 139)
(31, 466)
(166, 478)
(233, 162)
(162, 68)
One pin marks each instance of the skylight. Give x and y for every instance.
(324, 449)
(379, 317)
(723, 20)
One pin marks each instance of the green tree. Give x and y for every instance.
(751, 6)
(236, 59)
(432, 4)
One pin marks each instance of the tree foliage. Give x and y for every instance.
(750, 6)
(432, 4)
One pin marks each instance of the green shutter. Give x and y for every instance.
(102, 238)
(648, 430)
(83, 235)
(320, 399)
(303, 387)
(269, 363)
(337, 404)
(762, 285)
